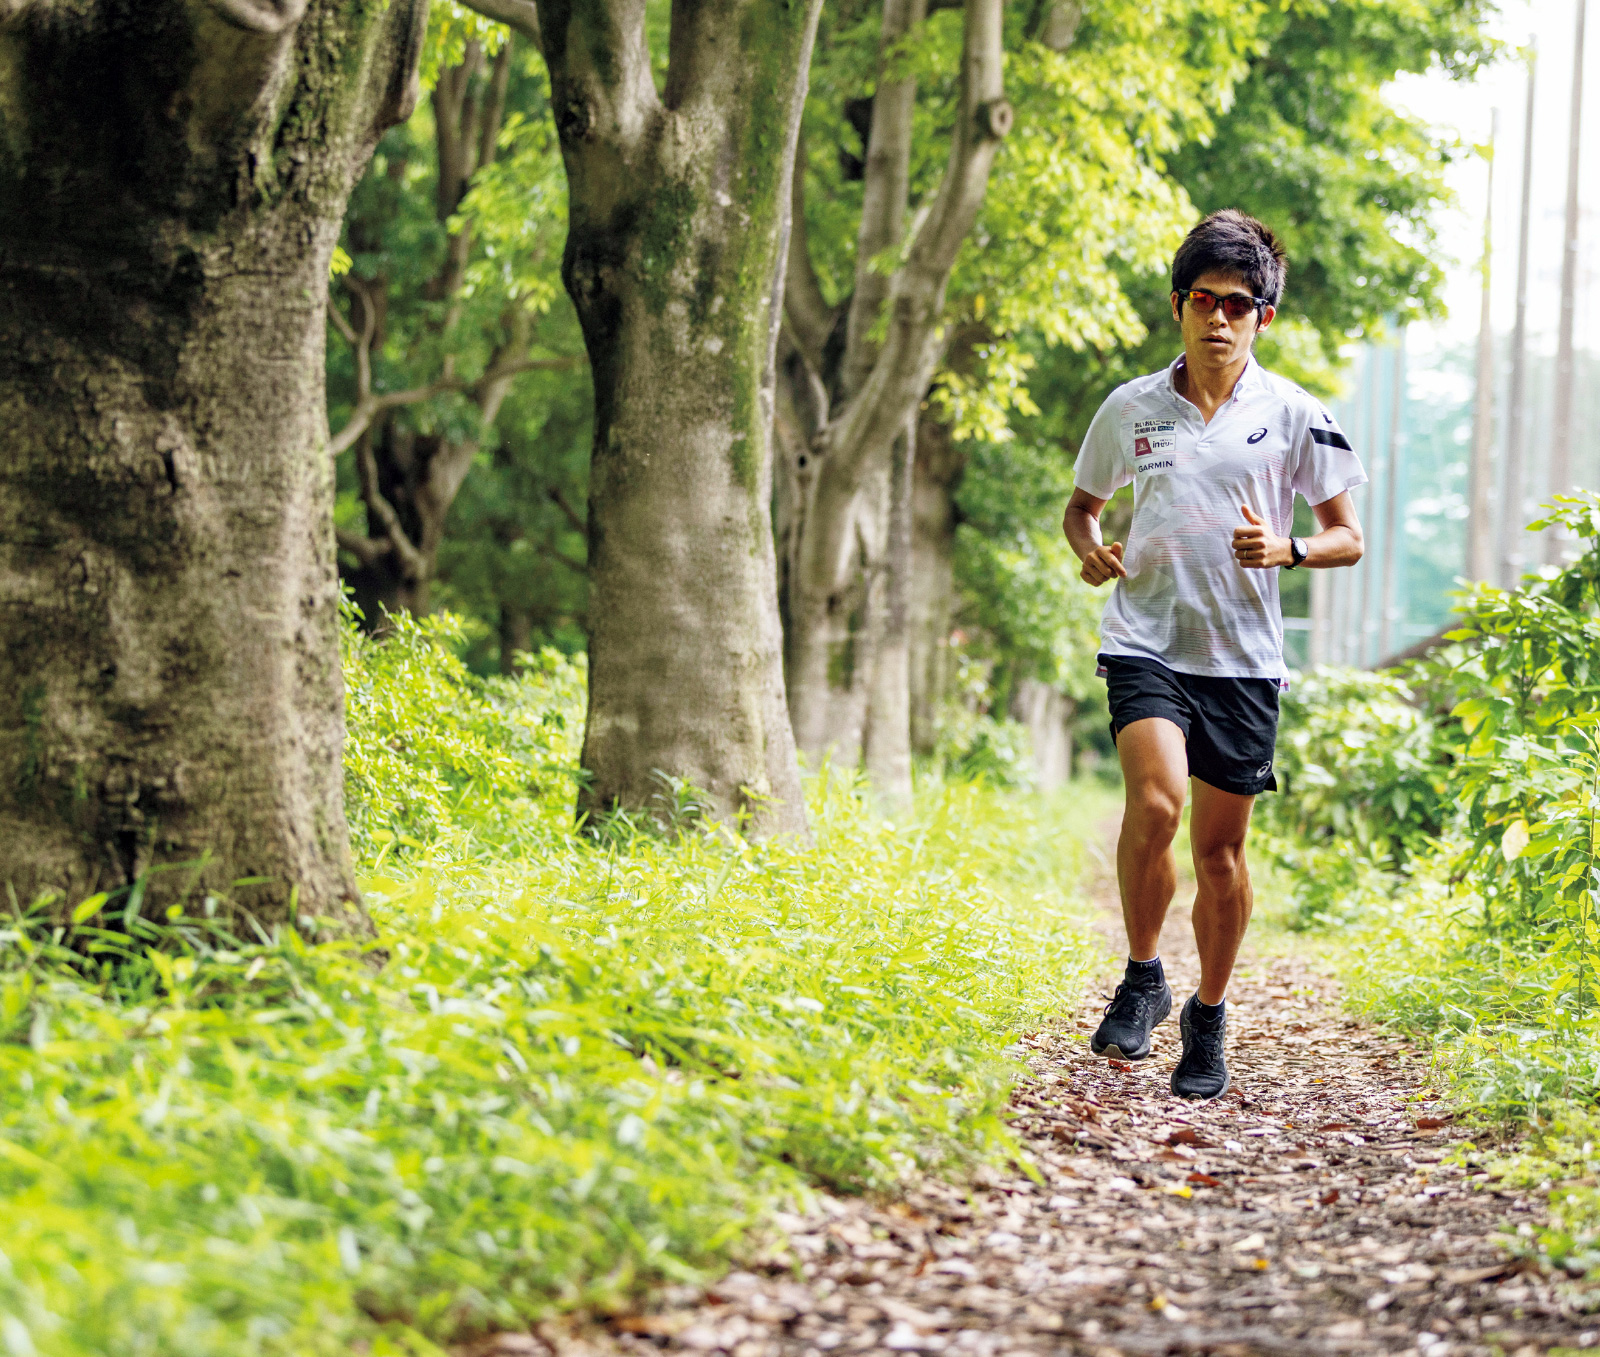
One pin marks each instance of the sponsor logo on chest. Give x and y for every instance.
(1155, 445)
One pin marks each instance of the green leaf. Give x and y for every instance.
(1514, 841)
(88, 908)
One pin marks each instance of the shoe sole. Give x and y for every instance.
(1114, 1052)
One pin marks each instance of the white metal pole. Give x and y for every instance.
(1480, 480)
(1561, 424)
(1392, 549)
(1513, 513)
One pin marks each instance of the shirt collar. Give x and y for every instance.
(1249, 379)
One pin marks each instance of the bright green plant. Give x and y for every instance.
(1488, 938)
(585, 1065)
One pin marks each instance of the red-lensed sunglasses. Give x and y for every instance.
(1234, 306)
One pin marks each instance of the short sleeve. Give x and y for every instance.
(1101, 468)
(1326, 464)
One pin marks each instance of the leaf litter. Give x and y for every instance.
(1316, 1208)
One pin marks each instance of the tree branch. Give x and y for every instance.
(362, 416)
(494, 109)
(810, 317)
(367, 550)
(601, 85)
(378, 507)
(545, 549)
(885, 190)
(984, 118)
(520, 16)
(579, 525)
(871, 419)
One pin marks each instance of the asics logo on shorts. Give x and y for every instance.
(1263, 770)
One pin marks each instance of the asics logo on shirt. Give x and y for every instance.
(1257, 436)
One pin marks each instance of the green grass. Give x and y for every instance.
(588, 1064)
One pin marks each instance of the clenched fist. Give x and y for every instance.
(1102, 564)
(1255, 547)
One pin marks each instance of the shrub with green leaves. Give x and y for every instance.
(586, 1065)
(1482, 922)
(1361, 788)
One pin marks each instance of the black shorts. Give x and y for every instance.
(1231, 724)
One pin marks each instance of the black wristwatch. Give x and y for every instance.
(1297, 552)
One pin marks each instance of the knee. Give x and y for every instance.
(1154, 815)
(1219, 863)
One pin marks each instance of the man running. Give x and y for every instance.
(1191, 643)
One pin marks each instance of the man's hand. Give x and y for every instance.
(1255, 547)
(1102, 564)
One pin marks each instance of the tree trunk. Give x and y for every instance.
(859, 373)
(516, 636)
(936, 475)
(674, 259)
(1047, 715)
(888, 751)
(172, 180)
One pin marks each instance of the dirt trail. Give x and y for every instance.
(1310, 1210)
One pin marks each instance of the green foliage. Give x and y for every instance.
(585, 1065)
(513, 554)
(1022, 603)
(1487, 935)
(435, 754)
(1361, 788)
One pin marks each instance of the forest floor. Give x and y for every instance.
(1314, 1209)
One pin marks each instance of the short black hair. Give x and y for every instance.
(1231, 242)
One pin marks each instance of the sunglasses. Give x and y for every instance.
(1234, 306)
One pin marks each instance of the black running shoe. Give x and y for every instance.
(1202, 1073)
(1142, 1001)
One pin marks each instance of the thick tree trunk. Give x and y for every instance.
(674, 259)
(936, 475)
(172, 180)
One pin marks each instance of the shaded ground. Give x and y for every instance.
(1310, 1210)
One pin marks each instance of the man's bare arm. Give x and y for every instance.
(1257, 547)
(1081, 524)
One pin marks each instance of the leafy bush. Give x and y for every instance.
(1363, 788)
(1485, 931)
(434, 752)
(586, 1064)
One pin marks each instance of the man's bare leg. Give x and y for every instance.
(1154, 766)
(1155, 771)
(1223, 898)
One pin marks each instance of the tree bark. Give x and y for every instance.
(173, 175)
(936, 475)
(849, 409)
(1047, 714)
(888, 745)
(675, 253)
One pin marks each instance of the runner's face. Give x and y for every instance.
(1209, 337)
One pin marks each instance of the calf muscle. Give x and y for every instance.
(1154, 758)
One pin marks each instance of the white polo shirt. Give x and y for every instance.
(1187, 603)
